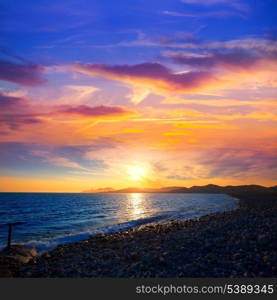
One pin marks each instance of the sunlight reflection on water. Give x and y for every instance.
(137, 204)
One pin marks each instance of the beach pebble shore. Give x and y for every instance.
(241, 243)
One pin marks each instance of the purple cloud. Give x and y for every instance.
(16, 121)
(11, 104)
(16, 111)
(27, 74)
(240, 59)
(148, 74)
(226, 162)
(96, 111)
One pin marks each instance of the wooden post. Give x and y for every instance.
(10, 225)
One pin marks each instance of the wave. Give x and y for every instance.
(43, 245)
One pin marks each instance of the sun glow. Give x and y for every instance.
(137, 172)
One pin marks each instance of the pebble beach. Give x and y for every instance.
(240, 243)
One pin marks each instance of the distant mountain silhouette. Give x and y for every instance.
(274, 188)
(100, 190)
(207, 189)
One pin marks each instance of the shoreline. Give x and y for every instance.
(44, 243)
(237, 243)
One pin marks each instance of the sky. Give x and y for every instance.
(97, 94)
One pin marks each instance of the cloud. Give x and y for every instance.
(157, 41)
(151, 74)
(207, 70)
(210, 14)
(11, 153)
(76, 94)
(7, 52)
(236, 68)
(222, 162)
(16, 121)
(10, 103)
(232, 59)
(180, 177)
(26, 74)
(63, 162)
(233, 3)
(16, 111)
(80, 150)
(224, 111)
(225, 162)
(139, 94)
(33, 156)
(258, 43)
(265, 42)
(95, 111)
(74, 156)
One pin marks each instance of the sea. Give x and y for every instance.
(51, 219)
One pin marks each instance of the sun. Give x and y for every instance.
(137, 172)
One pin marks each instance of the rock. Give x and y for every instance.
(21, 250)
(22, 259)
(18, 254)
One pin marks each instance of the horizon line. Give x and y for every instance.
(148, 188)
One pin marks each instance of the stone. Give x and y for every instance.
(22, 259)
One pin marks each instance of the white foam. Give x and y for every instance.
(43, 245)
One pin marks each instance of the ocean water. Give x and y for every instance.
(55, 218)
